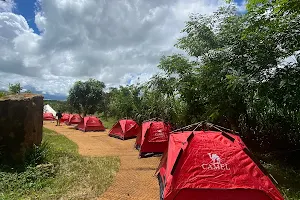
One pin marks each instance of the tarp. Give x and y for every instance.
(125, 129)
(91, 123)
(48, 116)
(212, 165)
(74, 119)
(153, 138)
(48, 109)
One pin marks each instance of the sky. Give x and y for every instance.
(47, 45)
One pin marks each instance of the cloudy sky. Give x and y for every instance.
(47, 45)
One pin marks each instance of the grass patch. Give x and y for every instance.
(64, 174)
(288, 180)
(108, 122)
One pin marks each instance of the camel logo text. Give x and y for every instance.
(215, 163)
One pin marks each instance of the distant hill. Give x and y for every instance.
(47, 96)
(55, 97)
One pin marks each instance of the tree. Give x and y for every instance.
(281, 7)
(86, 96)
(181, 81)
(124, 101)
(161, 103)
(146, 101)
(15, 88)
(238, 79)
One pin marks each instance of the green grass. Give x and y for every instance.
(287, 178)
(64, 174)
(107, 122)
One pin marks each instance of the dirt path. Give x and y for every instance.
(135, 179)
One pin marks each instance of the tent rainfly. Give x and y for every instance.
(65, 117)
(90, 123)
(153, 139)
(209, 164)
(48, 116)
(124, 129)
(74, 119)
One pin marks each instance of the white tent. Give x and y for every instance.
(48, 108)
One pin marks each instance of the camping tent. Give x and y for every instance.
(212, 165)
(48, 109)
(48, 116)
(153, 138)
(74, 119)
(65, 117)
(124, 129)
(90, 123)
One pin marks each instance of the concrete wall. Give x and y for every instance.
(21, 125)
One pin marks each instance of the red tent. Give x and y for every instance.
(124, 129)
(74, 119)
(212, 165)
(48, 116)
(65, 117)
(90, 123)
(153, 138)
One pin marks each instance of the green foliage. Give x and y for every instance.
(2, 94)
(145, 102)
(288, 179)
(124, 102)
(15, 88)
(176, 64)
(88, 97)
(15, 185)
(37, 155)
(62, 106)
(107, 121)
(156, 104)
(280, 7)
(54, 171)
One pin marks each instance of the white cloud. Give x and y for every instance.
(7, 5)
(113, 41)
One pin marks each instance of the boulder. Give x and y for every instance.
(21, 125)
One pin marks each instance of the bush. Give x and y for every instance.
(3, 93)
(37, 155)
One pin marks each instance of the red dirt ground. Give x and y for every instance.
(135, 179)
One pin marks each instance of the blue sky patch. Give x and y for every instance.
(27, 8)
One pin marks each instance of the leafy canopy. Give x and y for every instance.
(281, 7)
(87, 96)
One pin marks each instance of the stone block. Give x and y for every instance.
(21, 125)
